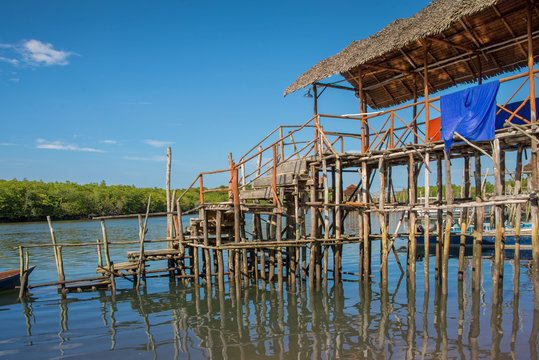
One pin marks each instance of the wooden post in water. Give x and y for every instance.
(314, 228)
(448, 222)
(518, 207)
(439, 224)
(207, 258)
(58, 256)
(499, 246)
(326, 220)
(169, 202)
(382, 219)
(478, 227)
(218, 243)
(278, 218)
(366, 223)
(412, 194)
(181, 240)
(110, 265)
(338, 221)
(426, 222)
(466, 188)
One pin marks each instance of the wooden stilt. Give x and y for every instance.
(412, 199)
(448, 223)
(383, 226)
(326, 220)
(366, 224)
(279, 253)
(426, 223)
(499, 246)
(466, 188)
(218, 242)
(439, 224)
(478, 227)
(338, 221)
(207, 259)
(58, 255)
(518, 207)
(109, 263)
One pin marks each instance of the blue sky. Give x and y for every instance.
(96, 90)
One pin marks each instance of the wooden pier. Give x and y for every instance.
(284, 223)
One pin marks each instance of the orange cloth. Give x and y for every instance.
(435, 129)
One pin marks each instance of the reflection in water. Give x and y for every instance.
(202, 323)
(406, 318)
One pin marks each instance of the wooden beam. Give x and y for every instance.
(450, 44)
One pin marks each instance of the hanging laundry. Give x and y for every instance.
(470, 112)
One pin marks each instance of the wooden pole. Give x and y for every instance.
(326, 220)
(534, 157)
(278, 218)
(499, 246)
(412, 199)
(518, 207)
(181, 239)
(338, 221)
(426, 90)
(426, 222)
(237, 221)
(169, 203)
(207, 258)
(314, 226)
(382, 219)
(439, 197)
(218, 242)
(57, 255)
(366, 224)
(478, 227)
(110, 265)
(448, 223)
(466, 188)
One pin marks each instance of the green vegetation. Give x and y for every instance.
(34, 200)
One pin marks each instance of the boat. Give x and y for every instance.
(12, 278)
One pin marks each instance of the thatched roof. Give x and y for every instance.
(464, 38)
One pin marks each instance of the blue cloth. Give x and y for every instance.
(504, 115)
(470, 112)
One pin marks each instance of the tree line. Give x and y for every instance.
(23, 200)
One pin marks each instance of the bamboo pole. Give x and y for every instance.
(412, 194)
(207, 258)
(57, 254)
(314, 228)
(382, 219)
(499, 177)
(426, 223)
(278, 230)
(181, 239)
(466, 188)
(439, 225)
(109, 263)
(518, 207)
(326, 221)
(448, 223)
(366, 224)
(220, 264)
(338, 221)
(169, 202)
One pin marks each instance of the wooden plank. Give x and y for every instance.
(257, 194)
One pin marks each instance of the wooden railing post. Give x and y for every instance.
(201, 190)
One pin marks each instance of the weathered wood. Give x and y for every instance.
(518, 207)
(326, 221)
(109, 263)
(366, 224)
(412, 226)
(439, 223)
(383, 226)
(478, 227)
(168, 198)
(57, 253)
(499, 181)
(220, 263)
(278, 217)
(426, 222)
(314, 227)
(338, 221)
(466, 189)
(448, 223)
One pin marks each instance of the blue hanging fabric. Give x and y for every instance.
(470, 112)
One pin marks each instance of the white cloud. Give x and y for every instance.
(157, 143)
(59, 145)
(36, 52)
(9, 60)
(33, 52)
(109, 141)
(157, 158)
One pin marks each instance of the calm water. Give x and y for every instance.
(167, 320)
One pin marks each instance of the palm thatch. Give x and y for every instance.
(465, 39)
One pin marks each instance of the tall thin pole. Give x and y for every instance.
(426, 90)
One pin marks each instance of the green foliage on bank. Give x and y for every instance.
(34, 200)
